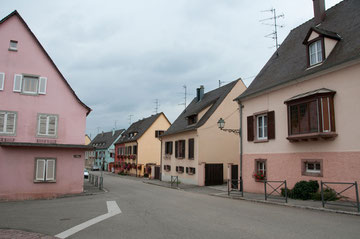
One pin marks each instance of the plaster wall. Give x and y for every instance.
(346, 84)
(30, 59)
(216, 146)
(17, 172)
(329, 45)
(185, 162)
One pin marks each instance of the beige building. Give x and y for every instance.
(194, 148)
(139, 147)
(300, 112)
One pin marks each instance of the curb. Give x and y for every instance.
(270, 202)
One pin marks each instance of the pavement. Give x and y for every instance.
(159, 212)
(222, 191)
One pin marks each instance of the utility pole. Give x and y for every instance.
(274, 34)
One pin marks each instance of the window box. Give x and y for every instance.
(311, 116)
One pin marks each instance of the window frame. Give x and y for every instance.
(180, 169)
(257, 117)
(180, 150)
(309, 44)
(257, 170)
(11, 48)
(312, 173)
(45, 179)
(36, 78)
(168, 147)
(191, 149)
(38, 134)
(5, 123)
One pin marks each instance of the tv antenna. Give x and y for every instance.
(129, 118)
(185, 96)
(274, 34)
(157, 105)
(221, 82)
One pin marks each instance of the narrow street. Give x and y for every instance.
(155, 212)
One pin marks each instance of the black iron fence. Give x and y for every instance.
(345, 202)
(235, 185)
(272, 190)
(174, 180)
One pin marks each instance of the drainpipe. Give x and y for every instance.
(137, 152)
(241, 144)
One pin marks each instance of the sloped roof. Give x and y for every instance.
(106, 139)
(290, 61)
(138, 127)
(212, 98)
(15, 13)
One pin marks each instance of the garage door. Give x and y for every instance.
(214, 174)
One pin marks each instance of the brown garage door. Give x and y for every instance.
(214, 174)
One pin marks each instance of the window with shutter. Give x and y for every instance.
(8, 122)
(17, 83)
(271, 124)
(40, 169)
(42, 85)
(2, 80)
(45, 170)
(191, 148)
(30, 85)
(176, 149)
(47, 125)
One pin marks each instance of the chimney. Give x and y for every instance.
(319, 11)
(200, 93)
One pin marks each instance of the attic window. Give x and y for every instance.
(192, 119)
(13, 45)
(315, 52)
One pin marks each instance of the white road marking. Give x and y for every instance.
(113, 209)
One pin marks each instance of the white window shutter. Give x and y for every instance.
(2, 122)
(42, 85)
(10, 123)
(50, 169)
(2, 80)
(42, 124)
(40, 169)
(52, 125)
(17, 83)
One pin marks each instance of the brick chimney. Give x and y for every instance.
(319, 11)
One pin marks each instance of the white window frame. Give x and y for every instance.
(47, 125)
(45, 177)
(13, 48)
(19, 84)
(312, 170)
(3, 131)
(261, 128)
(36, 83)
(317, 47)
(261, 167)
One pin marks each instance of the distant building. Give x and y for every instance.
(300, 112)
(42, 121)
(194, 148)
(104, 148)
(140, 147)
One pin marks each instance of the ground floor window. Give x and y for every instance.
(180, 169)
(312, 167)
(45, 169)
(260, 169)
(190, 170)
(167, 168)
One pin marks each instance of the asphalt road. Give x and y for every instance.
(150, 211)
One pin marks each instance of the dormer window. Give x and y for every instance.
(315, 52)
(192, 119)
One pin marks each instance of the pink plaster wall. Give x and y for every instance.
(30, 59)
(337, 167)
(17, 170)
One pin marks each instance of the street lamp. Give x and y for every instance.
(221, 125)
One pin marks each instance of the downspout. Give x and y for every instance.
(241, 145)
(137, 153)
(161, 144)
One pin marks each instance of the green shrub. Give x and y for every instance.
(329, 195)
(303, 189)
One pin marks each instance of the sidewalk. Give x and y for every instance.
(221, 191)
(17, 234)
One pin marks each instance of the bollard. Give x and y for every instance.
(96, 181)
(101, 183)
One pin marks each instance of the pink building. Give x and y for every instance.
(300, 113)
(42, 121)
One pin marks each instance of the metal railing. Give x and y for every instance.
(174, 179)
(235, 185)
(346, 203)
(275, 193)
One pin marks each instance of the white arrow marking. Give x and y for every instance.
(113, 209)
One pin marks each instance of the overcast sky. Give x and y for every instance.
(119, 56)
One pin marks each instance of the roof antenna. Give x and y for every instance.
(274, 34)
(185, 95)
(157, 105)
(221, 82)
(130, 116)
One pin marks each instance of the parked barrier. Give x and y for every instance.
(175, 179)
(325, 185)
(96, 181)
(235, 185)
(275, 190)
